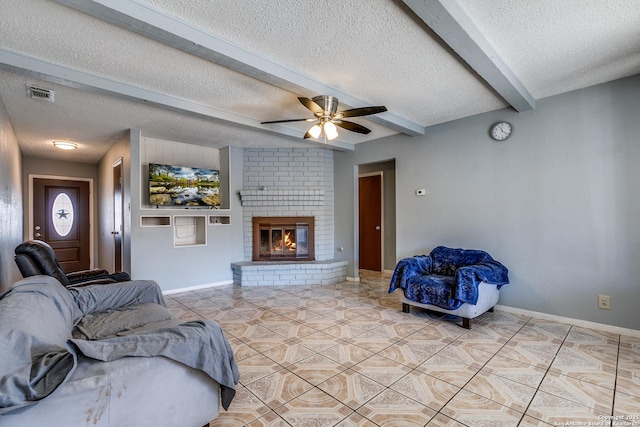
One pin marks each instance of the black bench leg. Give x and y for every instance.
(405, 307)
(466, 323)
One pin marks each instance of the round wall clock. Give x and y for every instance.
(501, 131)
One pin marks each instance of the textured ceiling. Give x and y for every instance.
(209, 72)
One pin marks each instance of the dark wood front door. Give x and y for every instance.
(370, 219)
(61, 218)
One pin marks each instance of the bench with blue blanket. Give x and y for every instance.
(447, 278)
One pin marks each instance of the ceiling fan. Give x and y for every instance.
(325, 109)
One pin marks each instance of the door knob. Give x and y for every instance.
(378, 228)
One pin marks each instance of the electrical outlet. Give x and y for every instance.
(604, 302)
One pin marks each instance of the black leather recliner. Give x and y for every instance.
(35, 257)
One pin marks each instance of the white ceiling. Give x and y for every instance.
(209, 72)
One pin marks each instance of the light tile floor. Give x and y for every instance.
(346, 355)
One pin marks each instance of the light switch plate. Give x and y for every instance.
(421, 192)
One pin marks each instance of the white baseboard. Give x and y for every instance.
(197, 287)
(577, 322)
(352, 279)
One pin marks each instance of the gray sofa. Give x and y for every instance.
(107, 355)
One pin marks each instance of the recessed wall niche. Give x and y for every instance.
(155, 221)
(219, 220)
(189, 231)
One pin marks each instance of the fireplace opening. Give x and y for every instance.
(283, 239)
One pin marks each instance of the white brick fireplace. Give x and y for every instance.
(289, 182)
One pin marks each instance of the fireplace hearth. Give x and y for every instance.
(283, 239)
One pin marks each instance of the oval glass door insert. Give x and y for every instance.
(62, 214)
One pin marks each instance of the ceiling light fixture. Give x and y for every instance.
(325, 128)
(329, 119)
(330, 130)
(64, 145)
(315, 131)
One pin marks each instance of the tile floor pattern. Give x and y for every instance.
(345, 355)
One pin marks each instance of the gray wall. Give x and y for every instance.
(557, 203)
(344, 233)
(10, 200)
(153, 255)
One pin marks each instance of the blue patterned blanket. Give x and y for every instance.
(447, 277)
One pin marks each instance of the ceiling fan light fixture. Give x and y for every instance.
(325, 110)
(330, 130)
(315, 131)
(65, 145)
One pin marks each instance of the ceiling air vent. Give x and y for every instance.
(40, 93)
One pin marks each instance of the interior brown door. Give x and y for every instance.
(61, 218)
(117, 216)
(370, 219)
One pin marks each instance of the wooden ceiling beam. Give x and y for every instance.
(156, 25)
(452, 24)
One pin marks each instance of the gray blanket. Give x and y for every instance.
(38, 353)
(198, 344)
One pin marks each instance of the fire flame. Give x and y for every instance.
(291, 245)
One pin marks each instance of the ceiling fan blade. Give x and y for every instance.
(353, 127)
(364, 111)
(287, 120)
(311, 105)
